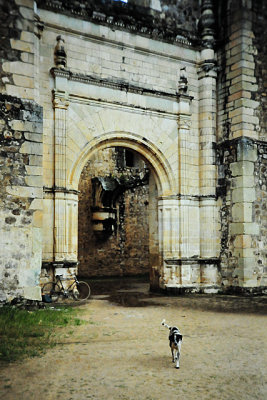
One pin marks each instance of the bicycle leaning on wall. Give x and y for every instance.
(79, 290)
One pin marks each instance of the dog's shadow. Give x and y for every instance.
(156, 361)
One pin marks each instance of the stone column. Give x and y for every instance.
(207, 76)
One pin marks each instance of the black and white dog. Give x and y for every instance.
(175, 338)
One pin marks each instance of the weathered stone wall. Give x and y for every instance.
(19, 49)
(20, 154)
(242, 191)
(260, 31)
(237, 83)
(20, 198)
(259, 210)
(241, 130)
(260, 213)
(125, 251)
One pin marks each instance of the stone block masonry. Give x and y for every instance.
(19, 49)
(241, 106)
(21, 194)
(242, 192)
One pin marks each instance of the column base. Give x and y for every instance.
(244, 290)
(186, 289)
(192, 273)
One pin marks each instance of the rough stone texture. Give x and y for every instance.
(125, 251)
(20, 198)
(242, 113)
(260, 213)
(170, 20)
(260, 31)
(9, 12)
(243, 222)
(18, 45)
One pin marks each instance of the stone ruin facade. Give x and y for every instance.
(133, 140)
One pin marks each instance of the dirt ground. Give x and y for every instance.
(123, 351)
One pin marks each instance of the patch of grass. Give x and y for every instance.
(28, 333)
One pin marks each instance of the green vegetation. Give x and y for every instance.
(27, 333)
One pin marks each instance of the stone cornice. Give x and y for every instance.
(227, 142)
(122, 16)
(47, 189)
(122, 86)
(188, 197)
(190, 260)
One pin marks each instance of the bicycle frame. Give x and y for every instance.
(80, 290)
(65, 291)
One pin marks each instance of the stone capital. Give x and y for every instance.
(184, 121)
(60, 102)
(208, 68)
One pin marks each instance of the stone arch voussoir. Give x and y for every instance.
(163, 172)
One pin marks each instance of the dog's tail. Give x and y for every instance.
(164, 324)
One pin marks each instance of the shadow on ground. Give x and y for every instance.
(134, 292)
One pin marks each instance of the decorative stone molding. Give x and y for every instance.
(60, 102)
(119, 85)
(59, 189)
(38, 26)
(127, 16)
(60, 54)
(207, 24)
(183, 82)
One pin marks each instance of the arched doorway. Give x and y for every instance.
(161, 187)
(117, 215)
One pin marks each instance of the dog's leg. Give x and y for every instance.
(172, 350)
(178, 353)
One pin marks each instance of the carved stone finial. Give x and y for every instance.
(183, 82)
(207, 23)
(60, 54)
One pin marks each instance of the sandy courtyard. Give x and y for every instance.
(123, 352)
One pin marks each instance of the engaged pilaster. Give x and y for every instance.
(207, 76)
(60, 106)
(65, 200)
(169, 239)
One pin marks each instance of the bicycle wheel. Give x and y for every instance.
(82, 291)
(51, 289)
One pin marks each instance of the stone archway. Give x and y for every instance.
(162, 179)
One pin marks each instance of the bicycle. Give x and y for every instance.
(79, 290)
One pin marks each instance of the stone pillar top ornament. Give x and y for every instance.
(183, 82)
(60, 100)
(60, 54)
(207, 24)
